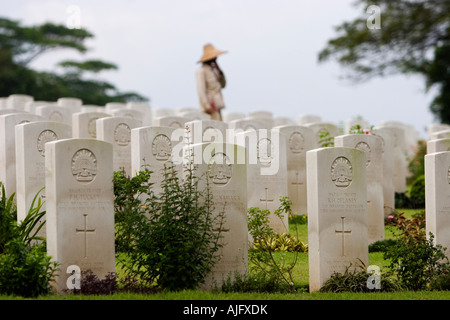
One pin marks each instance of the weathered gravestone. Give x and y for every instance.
(54, 113)
(73, 104)
(84, 124)
(117, 131)
(18, 101)
(80, 207)
(143, 107)
(176, 122)
(266, 172)
(8, 147)
(373, 147)
(438, 145)
(337, 212)
(388, 168)
(199, 131)
(151, 148)
(225, 168)
(30, 161)
(324, 133)
(437, 200)
(443, 134)
(230, 116)
(308, 118)
(299, 140)
(245, 124)
(436, 127)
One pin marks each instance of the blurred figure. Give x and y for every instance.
(210, 81)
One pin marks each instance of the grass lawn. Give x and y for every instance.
(300, 275)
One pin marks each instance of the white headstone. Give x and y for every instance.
(199, 131)
(353, 122)
(230, 116)
(388, 168)
(8, 147)
(175, 122)
(299, 140)
(283, 121)
(266, 117)
(111, 106)
(117, 131)
(146, 110)
(438, 145)
(129, 113)
(436, 127)
(337, 212)
(224, 166)
(437, 201)
(442, 134)
(73, 104)
(246, 124)
(18, 101)
(54, 113)
(80, 207)
(162, 112)
(30, 161)
(266, 172)
(324, 132)
(372, 146)
(93, 108)
(308, 118)
(84, 124)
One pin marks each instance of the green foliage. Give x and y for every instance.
(413, 39)
(355, 280)
(381, 245)
(325, 139)
(20, 45)
(8, 219)
(25, 270)
(414, 259)
(172, 239)
(417, 193)
(266, 242)
(416, 165)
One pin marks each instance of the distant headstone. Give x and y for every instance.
(84, 124)
(438, 145)
(55, 113)
(117, 131)
(80, 207)
(246, 124)
(18, 101)
(199, 131)
(30, 161)
(299, 140)
(175, 122)
(308, 118)
(442, 134)
(8, 147)
(337, 212)
(73, 104)
(146, 110)
(373, 147)
(111, 106)
(230, 116)
(388, 168)
(349, 124)
(436, 127)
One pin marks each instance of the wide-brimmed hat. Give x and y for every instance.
(209, 52)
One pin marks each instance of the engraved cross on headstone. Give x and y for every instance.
(266, 200)
(297, 183)
(343, 232)
(85, 230)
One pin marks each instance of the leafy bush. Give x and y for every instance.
(266, 242)
(381, 245)
(280, 242)
(416, 165)
(171, 240)
(417, 193)
(90, 284)
(355, 280)
(25, 270)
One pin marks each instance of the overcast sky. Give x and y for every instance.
(271, 62)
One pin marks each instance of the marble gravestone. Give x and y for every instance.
(400, 162)
(18, 101)
(245, 124)
(143, 107)
(8, 147)
(308, 118)
(176, 122)
(372, 146)
(151, 148)
(337, 212)
(437, 200)
(387, 137)
(80, 207)
(299, 140)
(84, 124)
(225, 167)
(200, 131)
(73, 104)
(324, 132)
(117, 131)
(30, 161)
(267, 179)
(438, 145)
(55, 113)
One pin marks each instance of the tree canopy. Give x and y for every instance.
(20, 45)
(413, 38)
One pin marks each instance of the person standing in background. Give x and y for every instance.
(210, 82)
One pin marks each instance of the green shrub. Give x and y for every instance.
(381, 245)
(417, 193)
(171, 240)
(25, 270)
(355, 280)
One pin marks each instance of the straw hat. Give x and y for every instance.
(209, 52)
